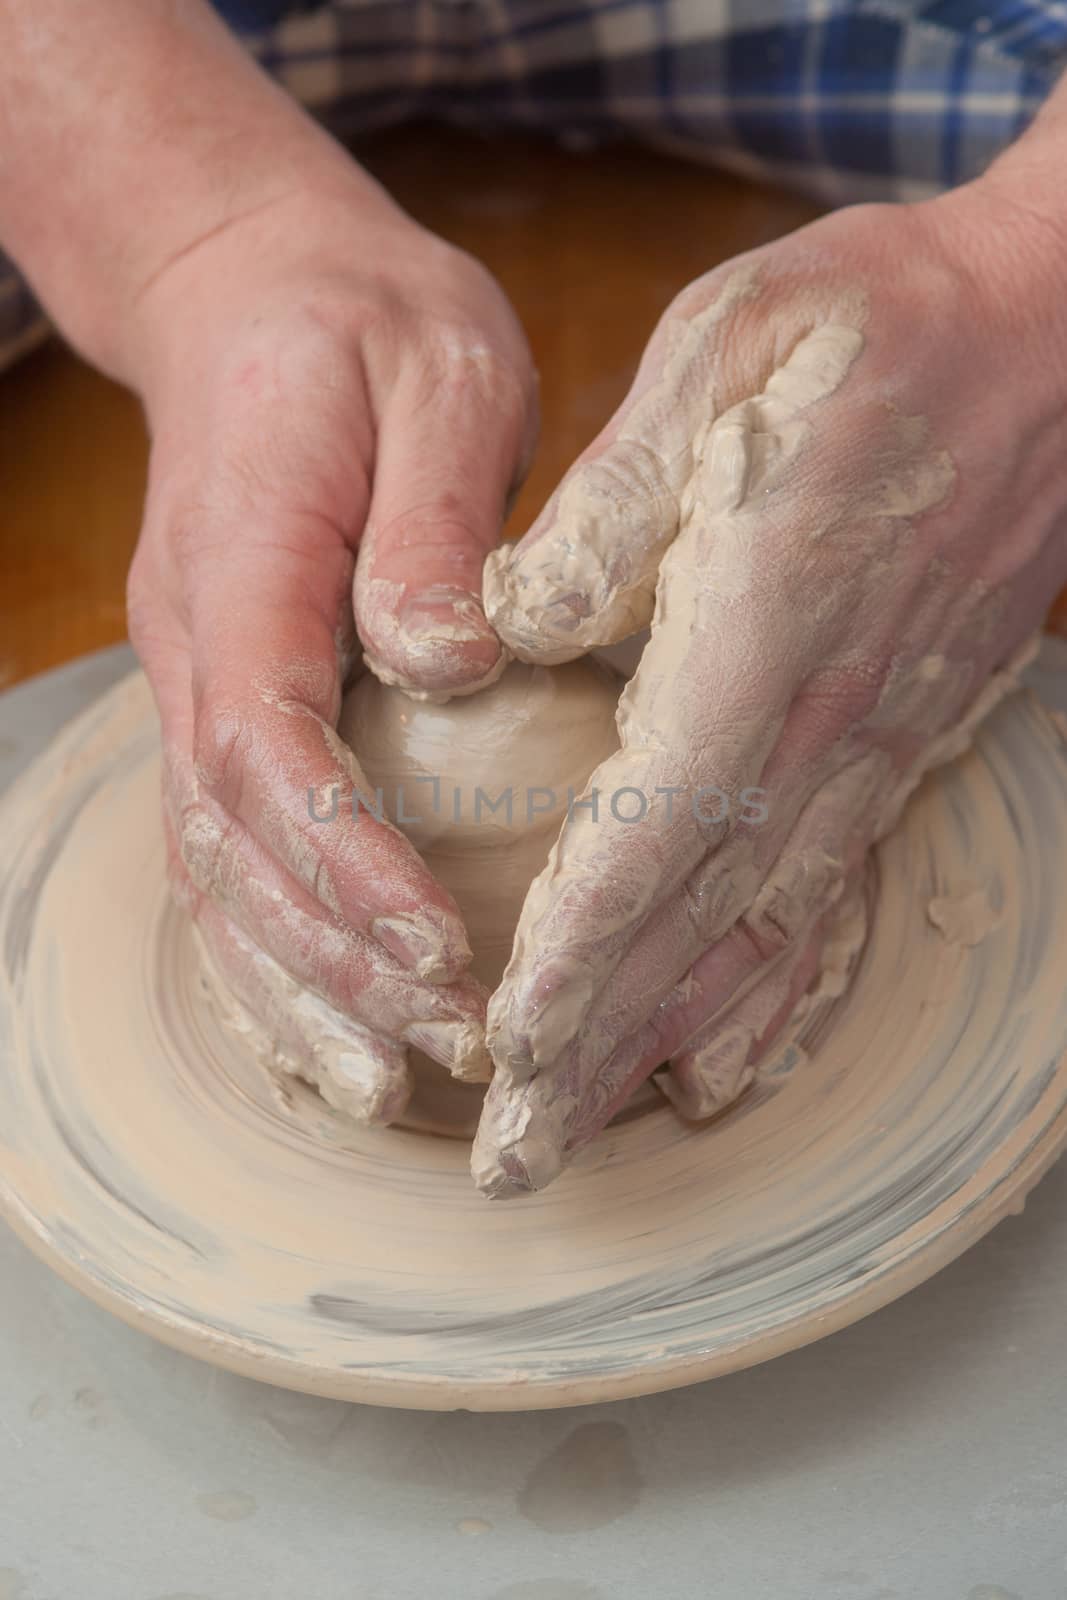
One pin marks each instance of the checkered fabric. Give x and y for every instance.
(843, 99)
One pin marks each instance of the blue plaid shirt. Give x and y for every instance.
(844, 99)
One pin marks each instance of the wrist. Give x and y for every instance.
(178, 134)
(230, 259)
(310, 262)
(1006, 233)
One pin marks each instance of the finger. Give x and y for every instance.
(356, 1070)
(684, 445)
(234, 873)
(719, 1062)
(528, 1131)
(266, 695)
(529, 1127)
(704, 710)
(585, 573)
(359, 1072)
(692, 746)
(589, 574)
(273, 908)
(695, 957)
(767, 888)
(448, 454)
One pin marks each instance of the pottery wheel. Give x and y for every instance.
(175, 1184)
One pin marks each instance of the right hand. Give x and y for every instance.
(340, 405)
(843, 538)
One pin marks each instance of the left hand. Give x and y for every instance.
(838, 489)
(339, 404)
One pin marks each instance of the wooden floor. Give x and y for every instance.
(590, 248)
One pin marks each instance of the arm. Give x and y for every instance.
(130, 132)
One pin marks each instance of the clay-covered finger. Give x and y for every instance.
(585, 573)
(449, 450)
(719, 1062)
(292, 1030)
(699, 720)
(771, 885)
(682, 447)
(589, 574)
(692, 959)
(529, 1130)
(531, 1126)
(234, 873)
(266, 693)
(687, 777)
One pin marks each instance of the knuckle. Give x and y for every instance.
(706, 900)
(791, 899)
(143, 610)
(222, 747)
(716, 1066)
(202, 849)
(438, 524)
(466, 363)
(182, 887)
(771, 925)
(628, 472)
(141, 621)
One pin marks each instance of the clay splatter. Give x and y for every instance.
(590, 1479)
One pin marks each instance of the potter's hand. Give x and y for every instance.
(331, 392)
(321, 377)
(838, 491)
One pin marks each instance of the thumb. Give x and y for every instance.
(585, 574)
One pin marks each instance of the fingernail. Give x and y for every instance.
(519, 1169)
(516, 1149)
(437, 952)
(356, 1082)
(530, 1023)
(471, 1062)
(505, 1180)
(497, 1173)
(446, 612)
(710, 1079)
(459, 1046)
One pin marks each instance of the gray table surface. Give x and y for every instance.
(920, 1453)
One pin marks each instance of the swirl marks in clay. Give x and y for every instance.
(149, 1159)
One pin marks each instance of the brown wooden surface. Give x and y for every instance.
(589, 247)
